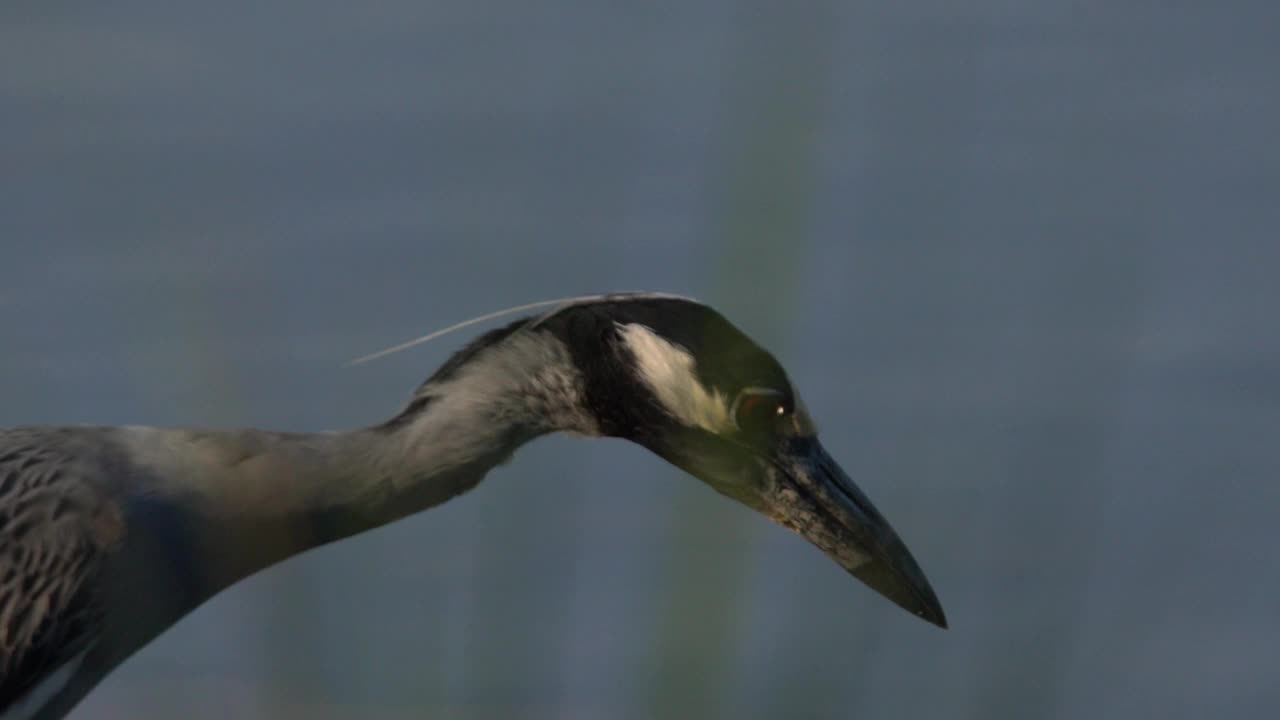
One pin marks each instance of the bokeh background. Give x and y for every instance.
(1020, 257)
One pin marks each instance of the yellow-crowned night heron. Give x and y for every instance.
(109, 535)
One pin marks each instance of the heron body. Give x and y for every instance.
(110, 535)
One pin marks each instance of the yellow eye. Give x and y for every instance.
(758, 410)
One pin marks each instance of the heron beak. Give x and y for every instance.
(818, 500)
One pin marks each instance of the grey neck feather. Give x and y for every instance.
(260, 497)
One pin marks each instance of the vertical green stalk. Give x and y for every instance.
(772, 119)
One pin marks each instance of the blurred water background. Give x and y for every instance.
(1021, 258)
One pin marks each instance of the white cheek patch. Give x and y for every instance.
(668, 371)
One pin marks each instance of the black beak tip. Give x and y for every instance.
(904, 585)
(922, 603)
(927, 607)
(934, 614)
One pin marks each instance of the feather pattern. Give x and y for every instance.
(56, 529)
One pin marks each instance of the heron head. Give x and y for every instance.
(678, 378)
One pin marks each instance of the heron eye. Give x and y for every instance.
(758, 410)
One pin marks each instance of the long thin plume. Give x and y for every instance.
(562, 302)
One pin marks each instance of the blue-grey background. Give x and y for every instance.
(1021, 258)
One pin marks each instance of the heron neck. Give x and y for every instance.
(399, 469)
(207, 508)
(252, 498)
(225, 504)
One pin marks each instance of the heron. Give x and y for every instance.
(111, 534)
